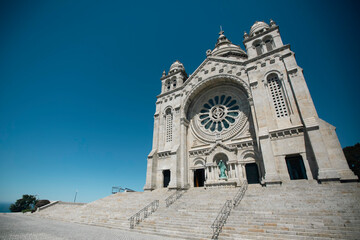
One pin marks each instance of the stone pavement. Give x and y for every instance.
(18, 226)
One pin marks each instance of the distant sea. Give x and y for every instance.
(4, 207)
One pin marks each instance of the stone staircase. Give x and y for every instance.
(112, 211)
(297, 210)
(191, 216)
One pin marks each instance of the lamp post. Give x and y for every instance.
(75, 195)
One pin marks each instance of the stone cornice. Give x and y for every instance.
(227, 60)
(173, 74)
(276, 50)
(287, 132)
(169, 92)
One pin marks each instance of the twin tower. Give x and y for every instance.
(249, 113)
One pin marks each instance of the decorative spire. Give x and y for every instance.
(208, 52)
(222, 38)
(272, 23)
(164, 73)
(246, 35)
(221, 31)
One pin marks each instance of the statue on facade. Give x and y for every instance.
(222, 168)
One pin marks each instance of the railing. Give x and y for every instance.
(118, 189)
(143, 213)
(226, 209)
(173, 197)
(240, 194)
(221, 219)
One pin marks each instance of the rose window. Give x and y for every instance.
(219, 113)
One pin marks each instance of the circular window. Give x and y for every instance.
(219, 113)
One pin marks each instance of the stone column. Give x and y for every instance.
(152, 157)
(307, 166)
(271, 175)
(149, 185)
(213, 173)
(243, 172)
(191, 178)
(184, 123)
(326, 171)
(261, 120)
(156, 131)
(237, 171)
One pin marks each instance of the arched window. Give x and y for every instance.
(258, 47)
(269, 43)
(168, 85)
(277, 95)
(169, 125)
(174, 83)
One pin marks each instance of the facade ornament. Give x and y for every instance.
(272, 23)
(208, 52)
(246, 36)
(222, 168)
(164, 73)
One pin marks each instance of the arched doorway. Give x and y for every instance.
(252, 173)
(199, 177)
(296, 168)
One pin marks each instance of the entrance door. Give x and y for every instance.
(252, 173)
(199, 177)
(296, 168)
(166, 177)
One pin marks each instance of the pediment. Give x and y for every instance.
(213, 66)
(220, 145)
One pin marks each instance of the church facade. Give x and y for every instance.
(242, 115)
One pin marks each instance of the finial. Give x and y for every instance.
(246, 35)
(164, 73)
(208, 52)
(272, 23)
(221, 31)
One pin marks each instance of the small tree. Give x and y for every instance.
(25, 203)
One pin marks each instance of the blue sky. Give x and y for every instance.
(79, 79)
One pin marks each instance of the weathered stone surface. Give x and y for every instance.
(249, 107)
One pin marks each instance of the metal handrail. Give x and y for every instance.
(240, 194)
(221, 219)
(143, 213)
(173, 197)
(117, 189)
(226, 209)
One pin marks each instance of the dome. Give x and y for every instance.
(226, 48)
(176, 66)
(257, 27)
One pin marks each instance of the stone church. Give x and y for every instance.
(248, 110)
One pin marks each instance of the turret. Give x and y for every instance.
(262, 38)
(175, 78)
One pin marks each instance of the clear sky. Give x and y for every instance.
(79, 79)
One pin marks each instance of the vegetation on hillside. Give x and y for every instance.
(352, 155)
(26, 203)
